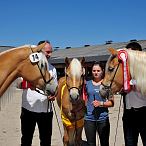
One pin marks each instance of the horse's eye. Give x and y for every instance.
(42, 65)
(66, 75)
(110, 69)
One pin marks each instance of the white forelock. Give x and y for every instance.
(76, 67)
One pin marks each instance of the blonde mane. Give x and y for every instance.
(43, 62)
(137, 62)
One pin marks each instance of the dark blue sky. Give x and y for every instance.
(71, 23)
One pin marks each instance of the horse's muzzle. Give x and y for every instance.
(105, 91)
(74, 94)
(51, 89)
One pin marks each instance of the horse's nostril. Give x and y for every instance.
(74, 97)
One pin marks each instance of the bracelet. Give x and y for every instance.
(101, 103)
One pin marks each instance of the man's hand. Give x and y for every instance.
(52, 98)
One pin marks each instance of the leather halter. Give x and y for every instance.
(73, 87)
(108, 88)
(46, 82)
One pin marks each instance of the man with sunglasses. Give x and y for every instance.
(37, 109)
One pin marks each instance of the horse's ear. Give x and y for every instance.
(39, 47)
(113, 51)
(67, 61)
(82, 61)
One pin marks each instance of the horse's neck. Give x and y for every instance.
(7, 83)
(9, 61)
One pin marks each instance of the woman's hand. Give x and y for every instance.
(96, 103)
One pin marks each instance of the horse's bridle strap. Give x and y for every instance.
(41, 72)
(108, 88)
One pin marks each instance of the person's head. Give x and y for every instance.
(98, 70)
(47, 48)
(134, 46)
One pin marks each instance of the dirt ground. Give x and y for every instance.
(10, 125)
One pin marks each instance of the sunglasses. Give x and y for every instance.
(48, 52)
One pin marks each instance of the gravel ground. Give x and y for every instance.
(10, 125)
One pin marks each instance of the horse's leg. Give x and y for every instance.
(71, 135)
(75, 136)
(65, 137)
(78, 138)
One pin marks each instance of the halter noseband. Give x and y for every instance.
(73, 87)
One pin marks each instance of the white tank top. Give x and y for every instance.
(36, 102)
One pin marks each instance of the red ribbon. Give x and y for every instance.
(123, 56)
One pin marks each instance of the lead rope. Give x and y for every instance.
(55, 114)
(57, 120)
(117, 122)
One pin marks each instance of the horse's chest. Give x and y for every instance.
(78, 111)
(75, 112)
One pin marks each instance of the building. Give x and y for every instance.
(91, 54)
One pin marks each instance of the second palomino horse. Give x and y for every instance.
(71, 103)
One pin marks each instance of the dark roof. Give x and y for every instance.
(4, 48)
(91, 53)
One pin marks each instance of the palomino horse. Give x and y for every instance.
(121, 73)
(71, 103)
(27, 62)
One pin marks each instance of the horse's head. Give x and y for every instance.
(113, 80)
(35, 69)
(74, 73)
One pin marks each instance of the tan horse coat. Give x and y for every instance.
(72, 113)
(15, 63)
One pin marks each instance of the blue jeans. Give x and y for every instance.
(134, 123)
(103, 129)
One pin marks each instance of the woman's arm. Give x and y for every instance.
(107, 103)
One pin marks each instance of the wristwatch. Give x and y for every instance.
(101, 103)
